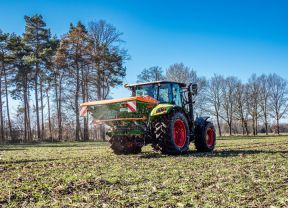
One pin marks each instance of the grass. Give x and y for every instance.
(241, 172)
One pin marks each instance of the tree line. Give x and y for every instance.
(256, 106)
(44, 78)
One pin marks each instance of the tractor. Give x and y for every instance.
(159, 113)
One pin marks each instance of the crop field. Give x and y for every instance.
(241, 172)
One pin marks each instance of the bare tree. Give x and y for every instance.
(107, 62)
(213, 95)
(107, 57)
(104, 33)
(264, 97)
(178, 72)
(254, 101)
(228, 103)
(279, 97)
(154, 73)
(240, 106)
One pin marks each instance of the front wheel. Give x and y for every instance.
(205, 137)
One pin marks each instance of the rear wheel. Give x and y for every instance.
(172, 133)
(125, 145)
(205, 138)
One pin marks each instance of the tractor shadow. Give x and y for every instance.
(234, 153)
(217, 153)
(151, 155)
(248, 137)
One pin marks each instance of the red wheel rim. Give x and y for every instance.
(210, 137)
(179, 133)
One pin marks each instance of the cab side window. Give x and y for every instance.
(163, 94)
(177, 94)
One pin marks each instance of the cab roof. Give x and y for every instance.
(155, 82)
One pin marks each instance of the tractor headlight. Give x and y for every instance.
(160, 110)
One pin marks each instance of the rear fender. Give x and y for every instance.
(201, 121)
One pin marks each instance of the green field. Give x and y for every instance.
(241, 172)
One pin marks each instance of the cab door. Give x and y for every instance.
(177, 94)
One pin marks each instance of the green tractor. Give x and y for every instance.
(158, 113)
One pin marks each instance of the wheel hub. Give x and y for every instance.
(179, 133)
(210, 137)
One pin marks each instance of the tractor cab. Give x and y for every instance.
(164, 91)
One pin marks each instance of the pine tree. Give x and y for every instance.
(36, 37)
(74, 54)
(50, 79)
(59, 70)
(22, 77)
(3, 67)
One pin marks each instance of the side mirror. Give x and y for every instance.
(194, 89)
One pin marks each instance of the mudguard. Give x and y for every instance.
(201, 121)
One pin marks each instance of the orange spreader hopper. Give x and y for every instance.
(146, 99)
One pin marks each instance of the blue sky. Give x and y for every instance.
(226, 37)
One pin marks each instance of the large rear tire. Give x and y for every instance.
(205, 137)
(125, 145)
(172, 133)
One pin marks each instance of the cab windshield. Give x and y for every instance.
(146, 90)
(161, 93)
